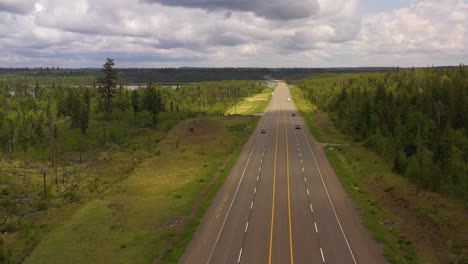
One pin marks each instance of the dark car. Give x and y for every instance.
(263, 131)
(298, 126)
(293, 114)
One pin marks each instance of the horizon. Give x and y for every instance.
(231, 67)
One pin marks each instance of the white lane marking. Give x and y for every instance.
(246, 227)
(258, 177)
(261, 161)
(230, 205)
(316, 229)
(302, 169)
(300, 154)
(263, 154)
(251, 206)
(305, 180)
(307, 191)
(311, 209)
(329, 199)
(255, 190)
(240, 255)
(301, 161)
(323, 258)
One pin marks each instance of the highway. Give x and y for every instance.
(282, 203)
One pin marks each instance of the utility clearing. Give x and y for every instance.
(252, 105)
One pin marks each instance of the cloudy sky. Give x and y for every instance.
(264, 33)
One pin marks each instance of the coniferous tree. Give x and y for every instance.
(107, 85)
(135, 101)
(385, 110)
(152, 103)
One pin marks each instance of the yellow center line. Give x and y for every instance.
(274, 190)
(289, 196)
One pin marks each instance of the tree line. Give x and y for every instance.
(415, 118)
(31, 117)
(88, 76)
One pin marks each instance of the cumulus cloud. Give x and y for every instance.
(271, 33)
(424, 27)
(272, 9)
(16, 6)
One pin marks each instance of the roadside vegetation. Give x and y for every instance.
(417, 220)
(152, 213)
(110, 166)
(252, 105)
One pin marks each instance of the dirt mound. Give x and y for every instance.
(203, 126)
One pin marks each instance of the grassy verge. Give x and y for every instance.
(252, 105)
(150, 215)
(318, 122)
(174, 253)
(413, 228)
(397, 247)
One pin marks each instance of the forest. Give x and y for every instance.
(88, 76)
(59, 135)
(416, 118)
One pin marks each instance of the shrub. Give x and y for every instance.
(71, 196)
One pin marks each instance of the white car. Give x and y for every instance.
(289, 99)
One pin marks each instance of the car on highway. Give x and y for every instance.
(263, 131)
(289, 99)
(293, 114)
(298, 126)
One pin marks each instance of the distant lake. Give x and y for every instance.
(129, 86)
(271, 84)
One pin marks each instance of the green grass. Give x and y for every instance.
(252, 105)
(318, 122)
(407, 224)
(352, 176)
(173, 255)
(132, 222)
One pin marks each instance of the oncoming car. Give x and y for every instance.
(298, 126)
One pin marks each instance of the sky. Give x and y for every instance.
(233, 33)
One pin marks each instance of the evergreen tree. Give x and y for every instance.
(123, 100)
(135, 101)
(107, 85)
(152, 103)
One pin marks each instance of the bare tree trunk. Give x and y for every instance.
(45, 185)
(55, 165)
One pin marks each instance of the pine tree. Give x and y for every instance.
(107, 85)
(152, 103)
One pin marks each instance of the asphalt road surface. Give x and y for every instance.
(282, 203)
